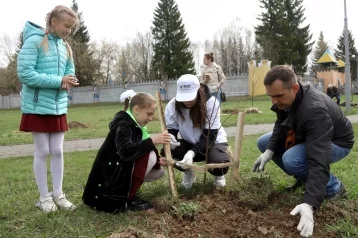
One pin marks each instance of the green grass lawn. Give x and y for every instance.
(20, 218)
(97, 117)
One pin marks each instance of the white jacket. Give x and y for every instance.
(195, 135)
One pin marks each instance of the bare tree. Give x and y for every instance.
(140, 56)
(207, 46)
(123, 69)
(106, 53)
(242, 56)
(195, 49)
(7, 48)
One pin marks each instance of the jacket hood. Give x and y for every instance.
(32, 29)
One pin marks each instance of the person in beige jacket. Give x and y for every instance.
(212, 75)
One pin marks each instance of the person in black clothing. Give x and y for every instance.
(127, 158)
(333, 92)
(311, 132)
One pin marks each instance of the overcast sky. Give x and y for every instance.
(120, 20)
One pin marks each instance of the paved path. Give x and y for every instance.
(94, 144)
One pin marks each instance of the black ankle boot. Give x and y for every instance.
(298, 184)
(137, 204)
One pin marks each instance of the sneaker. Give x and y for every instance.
(337, 196)
(47, 204)
(188, 178)
(220, 181)
(138, 204)
(63, 203)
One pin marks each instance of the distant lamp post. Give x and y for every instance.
(347, 63)
(355, 57)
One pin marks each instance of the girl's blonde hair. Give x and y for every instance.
(57, 12)
(142, 100)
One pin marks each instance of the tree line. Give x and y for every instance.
(166, 52)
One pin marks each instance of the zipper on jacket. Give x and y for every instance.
(58, 73)
(36, 95)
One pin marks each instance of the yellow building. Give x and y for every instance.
(330, 75)
(256, 77)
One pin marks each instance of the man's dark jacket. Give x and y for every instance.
(319, 122)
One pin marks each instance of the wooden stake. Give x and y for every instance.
(237, 149)
(167, 151)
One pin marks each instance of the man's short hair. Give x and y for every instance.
(283, 73)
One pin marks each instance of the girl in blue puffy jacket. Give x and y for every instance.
(46, 70)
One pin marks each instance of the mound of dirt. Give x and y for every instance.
(253, 110)
(76, 124)
(226, 214)
(236, 110)
(231, 111)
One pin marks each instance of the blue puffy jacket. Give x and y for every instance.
(41, 72)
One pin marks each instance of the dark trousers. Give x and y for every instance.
(217, 154)
(338, 97)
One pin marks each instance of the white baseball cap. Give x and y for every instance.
(187, 88)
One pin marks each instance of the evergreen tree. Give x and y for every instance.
(340, 53)
(82, 34)
(82, 54)
(172, 56)
(281, 36)
(269, 31)
(301, 36)
(320, 49)
(341, 47)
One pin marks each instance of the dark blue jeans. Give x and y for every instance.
(294, 161)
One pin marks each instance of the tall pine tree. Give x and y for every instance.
(281, 36)
(340, 53)
(302, 44)
(172, 56)
(269, 32)
(82, 54)
(320, 48)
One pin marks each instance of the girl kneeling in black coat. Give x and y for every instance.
(127, 158)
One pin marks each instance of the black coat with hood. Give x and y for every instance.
(110, 180)
(318, 121)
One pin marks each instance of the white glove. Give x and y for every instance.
(306, 222)
(173, 142)
(188, 159)
(259, 165)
